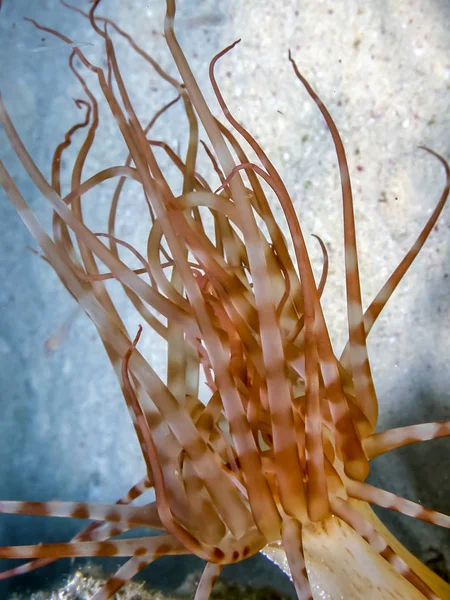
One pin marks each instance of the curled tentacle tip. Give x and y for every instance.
(137, 337)
(440, 158)
(232, 45)
(292, 61)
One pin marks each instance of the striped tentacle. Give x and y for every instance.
(232, 341)
(353, 518)
(149, 419)
(359, 358)
(292, 310)
(47, 244)
(136, 491)
(263, 507)
(124, 547)
(374, 495)
(316, 498)
(292, 540)
(357, 463)
(94, 531)
(199, 182)
(75, 202)
(125, 516)
(347, 437)
(300, 321)
(237, 298)
(182, 359)
(87, 256)
(209, 336)
(208, 422)
(385, 441)
(180, 425)
(148, 317)
(132, 567)
(209, 577)
(172, 525)
(383, 296)
(204, 522)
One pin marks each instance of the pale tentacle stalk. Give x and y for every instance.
(278, 454)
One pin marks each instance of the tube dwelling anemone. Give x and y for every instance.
(276, 459)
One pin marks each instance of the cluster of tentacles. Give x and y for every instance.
(285, 439)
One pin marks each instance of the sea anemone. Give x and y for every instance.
(275, 457)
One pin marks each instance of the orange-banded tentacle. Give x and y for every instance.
(209, 415)
(373, 495)
(228, 501)
(385, 441)
(103, 530)
(292, 540)
(154, 241)
(94, 531)
(124, 547)
(100, 177)
(327, 358)
(127, 516)
(127, 571)
(116, 266)
(381, 299)
(299, 421)
(173, 228)
(137, 490)
(209, 577)
(258, 417)
(80, 292)
(26, 568)
(359, 358)
(150, 451)
(287, 285)
(262, 207)
(203, 518)
(240, 326)
(87, 256)
(90, 278)
(182, 360)
(146, 315)
(278, 386)
(317, 497)
(222, 229)
(213, 161)
(348, 423)
(355, 460)
(352, 517)
(317, 488)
